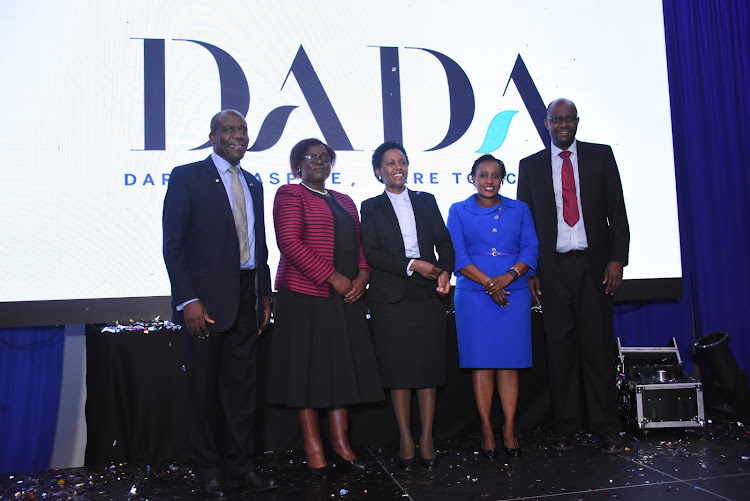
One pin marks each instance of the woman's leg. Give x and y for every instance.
(484, 389)
(309, 421)
(426, 397)
(402, 407)
(507, 388)
(338, 419)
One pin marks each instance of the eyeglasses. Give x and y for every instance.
(313, 158)
(559, 120)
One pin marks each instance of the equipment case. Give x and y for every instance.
(654, 390)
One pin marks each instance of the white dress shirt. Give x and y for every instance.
(569, 238)
(405, 215)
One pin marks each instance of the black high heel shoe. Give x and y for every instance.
(407, 464)
(322, 473)
(429, 464)
(511, 453)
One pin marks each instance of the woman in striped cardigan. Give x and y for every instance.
(321, 350)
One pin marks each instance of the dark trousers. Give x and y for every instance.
(578, 322)
(221, 373)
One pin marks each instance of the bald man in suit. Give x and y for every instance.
(216, 256)
(575, 195)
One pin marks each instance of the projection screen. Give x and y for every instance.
(101, 100)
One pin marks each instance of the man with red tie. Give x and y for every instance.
(575, 195)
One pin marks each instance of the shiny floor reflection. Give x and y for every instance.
(680, 464)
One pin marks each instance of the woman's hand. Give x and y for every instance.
(500, 298)
(500, 282)
(340, 283)
(495, 287)
(427, 270)
(444, 283)
(359, 285)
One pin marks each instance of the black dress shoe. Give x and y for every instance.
(490, 453)
(429, 464)
(322, 473)
(256, 482)
(214, 490)
(611, 443)
(407, 464)
(563, 442)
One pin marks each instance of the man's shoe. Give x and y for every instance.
(563, 442)
(254, 481)
(611, 443)
(214, 490)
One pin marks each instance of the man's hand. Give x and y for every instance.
(427, 270)
(196, 319)
(266, 314)
(612, 277)
(535, 289)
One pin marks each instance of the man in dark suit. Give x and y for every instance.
(216, 256)
(575, 195)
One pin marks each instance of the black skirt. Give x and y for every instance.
(410, 338)
(321, 348)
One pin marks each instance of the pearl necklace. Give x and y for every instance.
(324, 192)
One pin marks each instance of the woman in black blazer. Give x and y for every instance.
(401, 231)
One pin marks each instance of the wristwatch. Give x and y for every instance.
(513, 271)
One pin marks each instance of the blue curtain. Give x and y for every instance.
(30, 370)
(708, 61)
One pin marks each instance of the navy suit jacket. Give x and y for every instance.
(383, 244)
(201, 249)
(602, 204)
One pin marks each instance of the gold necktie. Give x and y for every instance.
(240, 215)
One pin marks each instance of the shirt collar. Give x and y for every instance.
(404, 195)
(573, 149)
(221, 164)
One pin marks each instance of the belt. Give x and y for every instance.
(247, 273)
(493, 253)
(574, 253)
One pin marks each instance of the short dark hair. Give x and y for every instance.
(214, 120)
(485, 158)
(298, 153)
(377, 155)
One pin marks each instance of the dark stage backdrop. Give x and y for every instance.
(708, 57)
(708, 61)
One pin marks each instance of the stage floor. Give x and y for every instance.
(682, 464)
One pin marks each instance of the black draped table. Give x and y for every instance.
(136, 382)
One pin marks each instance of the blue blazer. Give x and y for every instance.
(200, 247)
(492, 239)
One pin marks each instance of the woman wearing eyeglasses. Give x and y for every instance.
(321, 354)
(409, 248)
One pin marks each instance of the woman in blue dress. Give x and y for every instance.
(496, 246)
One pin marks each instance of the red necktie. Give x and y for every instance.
(570, 202)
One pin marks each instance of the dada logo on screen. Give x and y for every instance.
(235, 94)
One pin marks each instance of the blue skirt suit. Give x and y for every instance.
(493, 239)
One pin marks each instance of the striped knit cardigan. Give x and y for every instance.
(304, 235)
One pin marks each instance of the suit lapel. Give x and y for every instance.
(547, 187)
(214, 191)
(386, 207)
(585, 177)
(421, 218)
